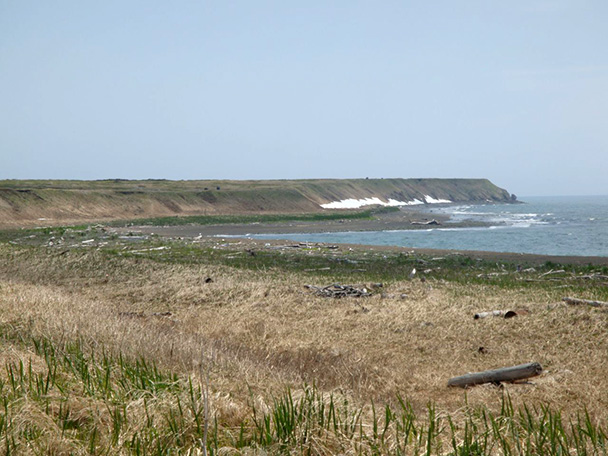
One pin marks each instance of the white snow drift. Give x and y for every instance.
(431, 200)
(357, 203)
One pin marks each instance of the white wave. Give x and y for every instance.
(477, 214)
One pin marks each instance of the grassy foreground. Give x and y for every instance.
(138, 345)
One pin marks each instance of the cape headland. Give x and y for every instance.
(60, 202)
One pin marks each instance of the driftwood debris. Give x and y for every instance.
(562, 275)
(496, 313)
(501, 313)
(505, 374)
(143, 315)
(576, 302)
(339, 291)
(594, 277)
(430, 222)
(559, 271)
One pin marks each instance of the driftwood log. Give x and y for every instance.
(496, 313)
(505, 374)
(559, 271)
(576, 301)
(340, 291)
(430, 222)
(501, 313)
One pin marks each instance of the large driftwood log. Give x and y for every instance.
(505, 374)
(496, 313)
(501, 313)
(576, 301)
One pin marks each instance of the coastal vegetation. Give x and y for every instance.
(120, 343)
(202, 220)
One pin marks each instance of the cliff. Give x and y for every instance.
(49, 202)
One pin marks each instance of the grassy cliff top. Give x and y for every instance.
(192, 185)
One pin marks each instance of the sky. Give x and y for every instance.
(513, 91)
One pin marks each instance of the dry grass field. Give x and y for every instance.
(155, 346)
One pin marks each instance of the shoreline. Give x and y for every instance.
(530, 259)
(384, 222)
(405, 219)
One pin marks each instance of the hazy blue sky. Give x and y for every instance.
(515, 91)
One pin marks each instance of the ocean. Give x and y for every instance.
(556, 225)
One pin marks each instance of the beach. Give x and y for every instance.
(401, 220)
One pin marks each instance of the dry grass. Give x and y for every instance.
(262, 331)
(268, 322)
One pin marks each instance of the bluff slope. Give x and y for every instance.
(45, 202)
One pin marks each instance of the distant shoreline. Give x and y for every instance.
(401, 220)
(404, 219)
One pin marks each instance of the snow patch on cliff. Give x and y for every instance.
(357, 203)
(431, 200)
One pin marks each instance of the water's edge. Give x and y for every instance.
(574, 226)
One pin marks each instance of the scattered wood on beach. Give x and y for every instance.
(562, 275)
(596, 276)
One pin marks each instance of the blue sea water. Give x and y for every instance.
(564, 225)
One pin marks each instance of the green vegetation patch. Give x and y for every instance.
(245, 219)
(68, 398)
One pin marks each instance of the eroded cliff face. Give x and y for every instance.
(28, 203)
